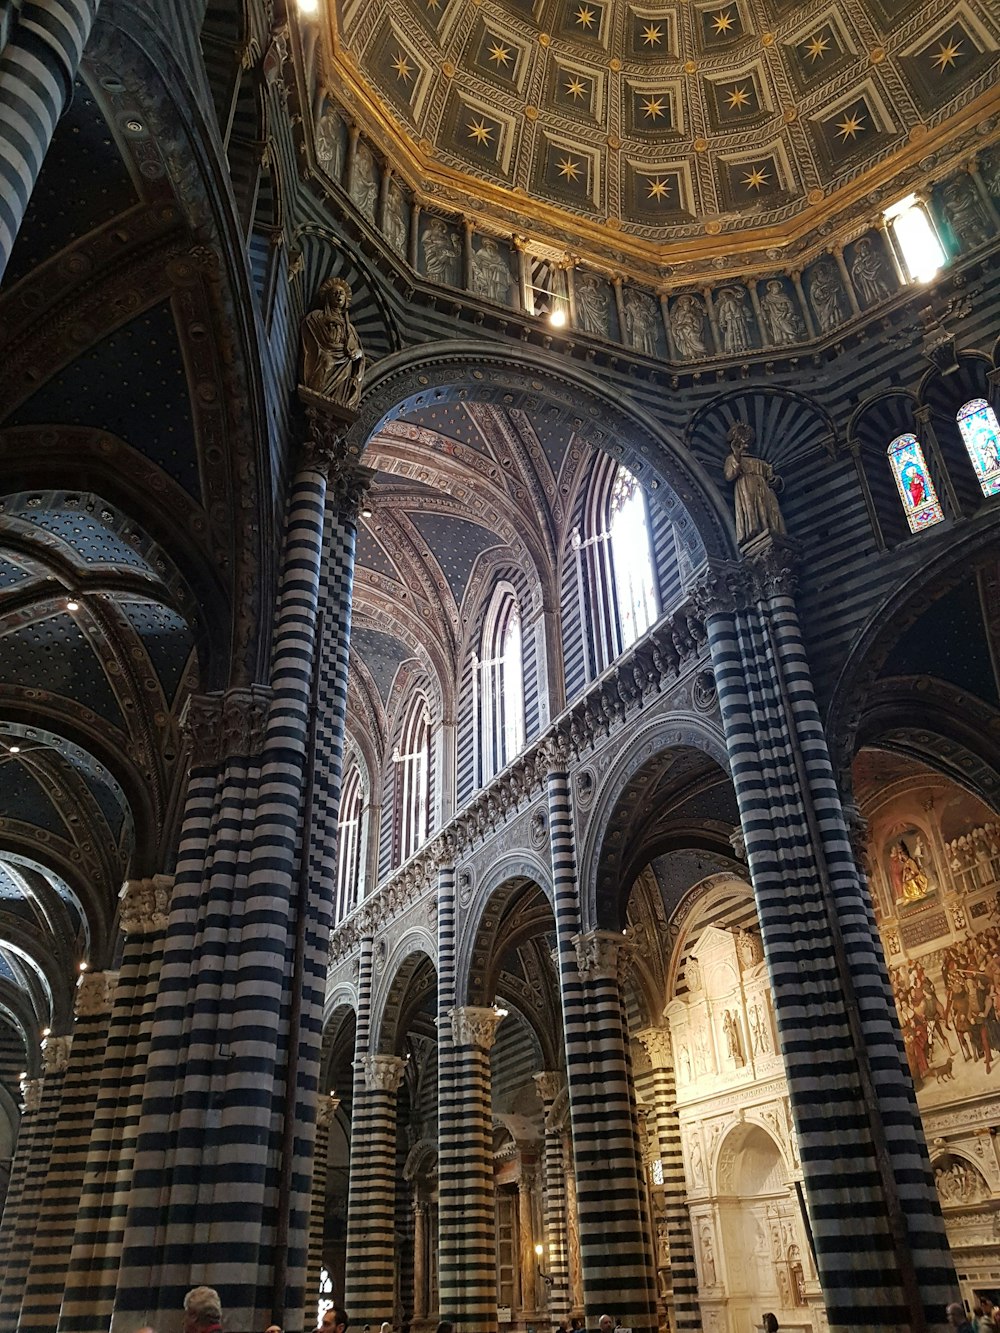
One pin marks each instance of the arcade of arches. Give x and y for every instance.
(520, 841)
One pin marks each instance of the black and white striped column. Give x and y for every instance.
(15, 1203)
(615, 1242)
(449, 1113)
(468, 1168)
(371, 1234)
(37, 69)
(326, 1113)
(58, 1204)
(92, 1275)
(555, 1260)
(879, 1239)
(686, 1313)
(55, 1061)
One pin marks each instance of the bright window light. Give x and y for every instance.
(916, 239)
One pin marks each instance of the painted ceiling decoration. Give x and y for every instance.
(641, 129)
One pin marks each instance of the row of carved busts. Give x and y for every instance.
(737, 317)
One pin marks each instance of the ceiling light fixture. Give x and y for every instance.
(72, 605)
(366, 512)
(13, 749)
(557, 318)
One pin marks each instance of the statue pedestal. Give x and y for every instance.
(345, 417)
(327, 424)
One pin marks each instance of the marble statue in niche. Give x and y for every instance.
(758, 1030)
(687, 324)
(869, 273)
(329, 145)
(333, 359)
(827, 296)
(490, 272)
(364, 185)
(734, 1040)
(734, 320)
(966, 212)
(782, 322)
(441, 252)
(685, 1065)
(592, 305)
(755, 480)
(640, 322)
(697, 1164)
(396, 229)
(708, 1271)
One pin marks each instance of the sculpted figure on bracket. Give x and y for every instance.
(757, 508)
(333, 359)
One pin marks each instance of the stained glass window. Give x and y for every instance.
(981, 433)
(913, 481)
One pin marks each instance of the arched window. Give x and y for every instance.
(913, 481)
(349, 830)
(615, 565)
(501, 683)
(981, 435)
(412, 758)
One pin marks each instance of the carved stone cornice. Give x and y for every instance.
(223, 725)
(658, 1047)
(55, 1054)
(95, 993)
(31, 1095)
(550, 1083)
(472, 1025)
(383, 1073)
(146, 905)
(602, 954)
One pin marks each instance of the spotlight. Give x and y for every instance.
(46, 1032)
(366, 512)
(84, 966)
(71, 605)
(13, 749)
(309, 7)
(558, 317)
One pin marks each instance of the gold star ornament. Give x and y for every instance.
(657, 189)
(569, 170)
(947, 54)
(722, 22)
(403, 68)
(576, 88)
(851, 126)
(652, 35)
(481, 132)
(585, 16)
(500, 55)
(817, 47)
(755, 178)
(738, 99)
(653, 107)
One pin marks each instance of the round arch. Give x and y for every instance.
(416, 950)
(511, 873)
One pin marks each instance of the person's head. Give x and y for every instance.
(202, 1309)
(334, 1320)
(606, 1324)
(446, 1326)
(956, 1314)
(770, 1323)
(272, 1328)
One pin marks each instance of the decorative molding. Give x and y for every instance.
(475, 1026)
(95, 991)
(55, 1054)
(227, 724)
(602, 954)
(146, 905)
(657, 1043)
(31, 1095)
(384, 1073)
(550, 1083)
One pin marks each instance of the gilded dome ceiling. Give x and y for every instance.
(667, 121)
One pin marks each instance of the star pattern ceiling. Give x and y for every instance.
(573, 101)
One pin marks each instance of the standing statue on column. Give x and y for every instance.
(333, 361)
(756, 503)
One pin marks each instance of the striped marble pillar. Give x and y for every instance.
(58, 1204)
(221, 1191)
(685, 1311)
(31, 1094)
(468, 1170)
(555, 1260)
(55, 1061)
(449, 1113)
(97, 1238)
(876, 1225)
(326, 1113)
(37, 69)
(616, 1255)
(357, 1219)
(371, 1236)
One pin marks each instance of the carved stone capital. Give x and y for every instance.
(772, 561)
(550, 1083)
(658, 1047)
(738, 842)
(475, 1026)
(95, 993)
(720, 589)
(326, 1111)
(347, 485)
(31, 1095)
(327, 423)
(859, 832)
(383, 1073)
(221, 725)
(602, 953)
(554, 753)
(146, 905)
(55, 1054)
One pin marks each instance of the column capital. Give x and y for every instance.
(326, 1111)
(738, 842)
(656, 1040)
(224, 724)
(602, 953)
(383, 1072)
(55, 1054)
(145, 905)
(472, 1025)
(554, 753)
(720, 588)
(95, 992)
(550, 1083)
(31, 1094)
(772, 560)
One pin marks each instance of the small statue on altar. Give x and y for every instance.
(333, 360)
